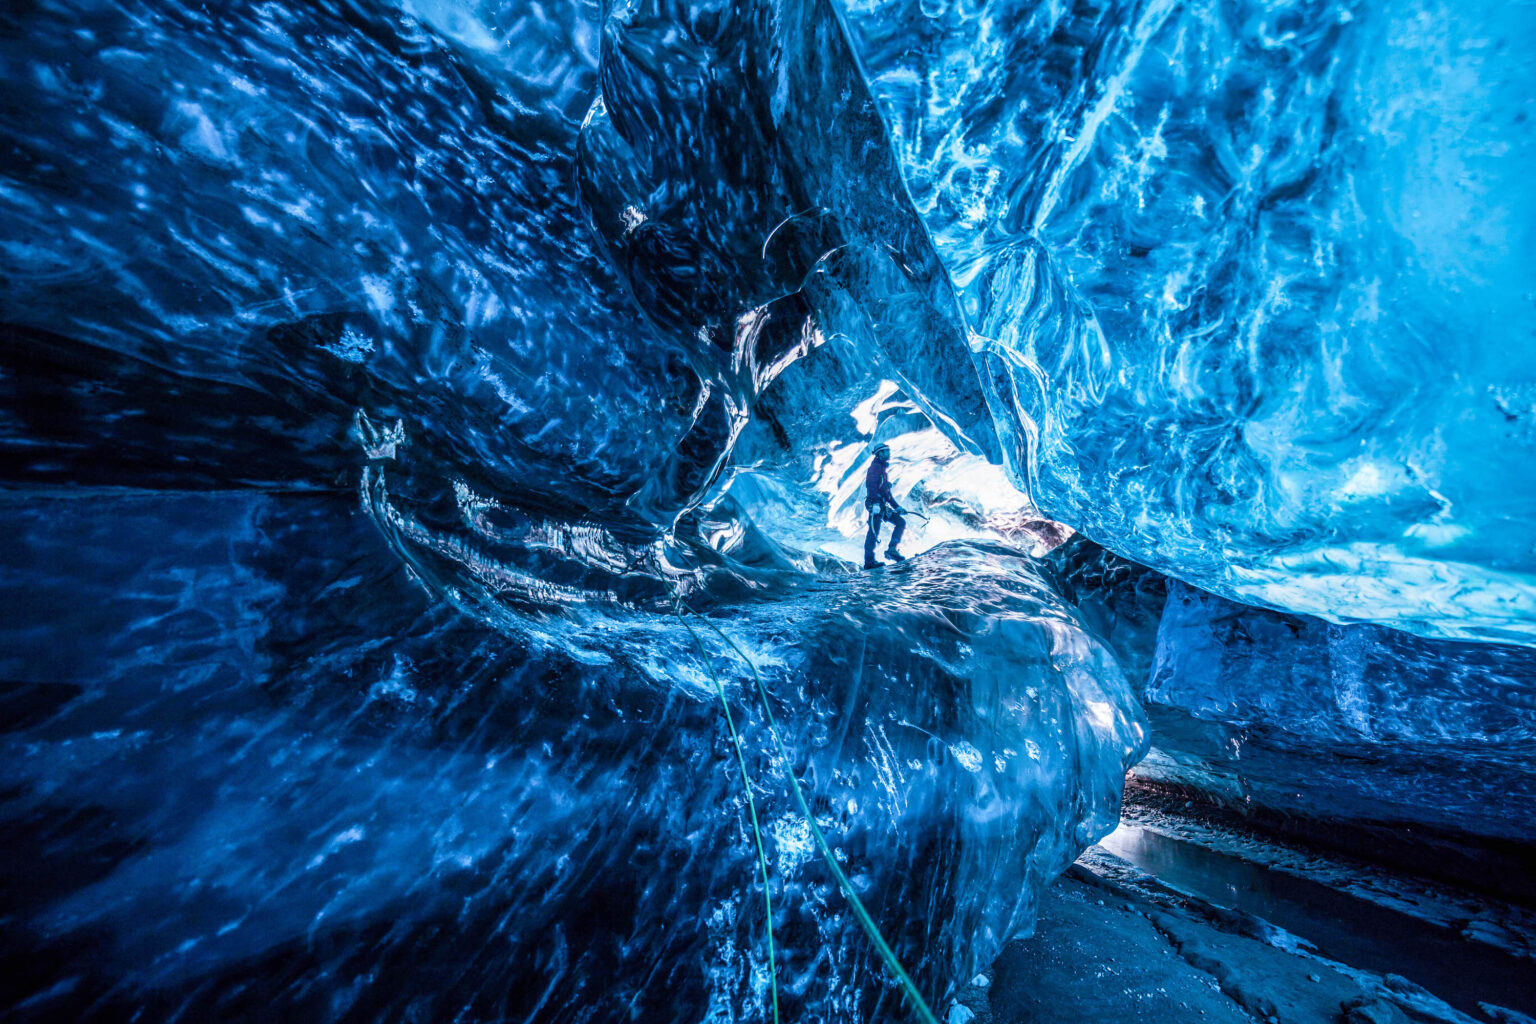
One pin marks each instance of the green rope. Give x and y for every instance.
(746, 784)
(868, 922)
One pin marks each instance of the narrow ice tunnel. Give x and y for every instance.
(434, 445)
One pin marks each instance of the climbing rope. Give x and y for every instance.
(865, 920)
(746, 785)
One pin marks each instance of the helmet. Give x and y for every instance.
(882, 451)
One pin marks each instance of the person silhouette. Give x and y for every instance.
(882, 508)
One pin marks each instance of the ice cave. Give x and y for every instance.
(441, 443)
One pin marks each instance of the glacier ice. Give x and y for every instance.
(1337, 726)
(328, 209)
(272, 768)
(372, 400)
(1255, 278)
(1343, 722)
(380, 380)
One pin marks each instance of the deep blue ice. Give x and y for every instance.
(419, 422)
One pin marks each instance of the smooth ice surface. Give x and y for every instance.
(1343, 722)
(1251, 280)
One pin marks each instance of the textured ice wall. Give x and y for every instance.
(1259, 275)
(352, 476)
(332, 207)
(252, 769)
(1349, 725)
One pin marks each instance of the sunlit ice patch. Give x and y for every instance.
(963, 496)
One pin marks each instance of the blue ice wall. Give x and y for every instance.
(382, 381)
(372, 379)
(1256, 279)
(1324, 728)
(1343, 722)
(251, 768)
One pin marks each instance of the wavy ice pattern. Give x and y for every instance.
(272, 775)
(1256, 277)
(377, 381)
(380, 380)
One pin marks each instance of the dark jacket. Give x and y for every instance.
(877, 486)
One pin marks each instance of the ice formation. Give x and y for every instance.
(361, 464)
(1345, 721)
(1259, 275)
(1341, 726)
(269, 771)
(386, 385)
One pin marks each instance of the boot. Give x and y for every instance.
(872, 563)
(894, 555)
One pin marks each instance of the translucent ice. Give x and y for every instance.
(381, 380)
(1257, 276)
(378, 380)
(269, 769)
